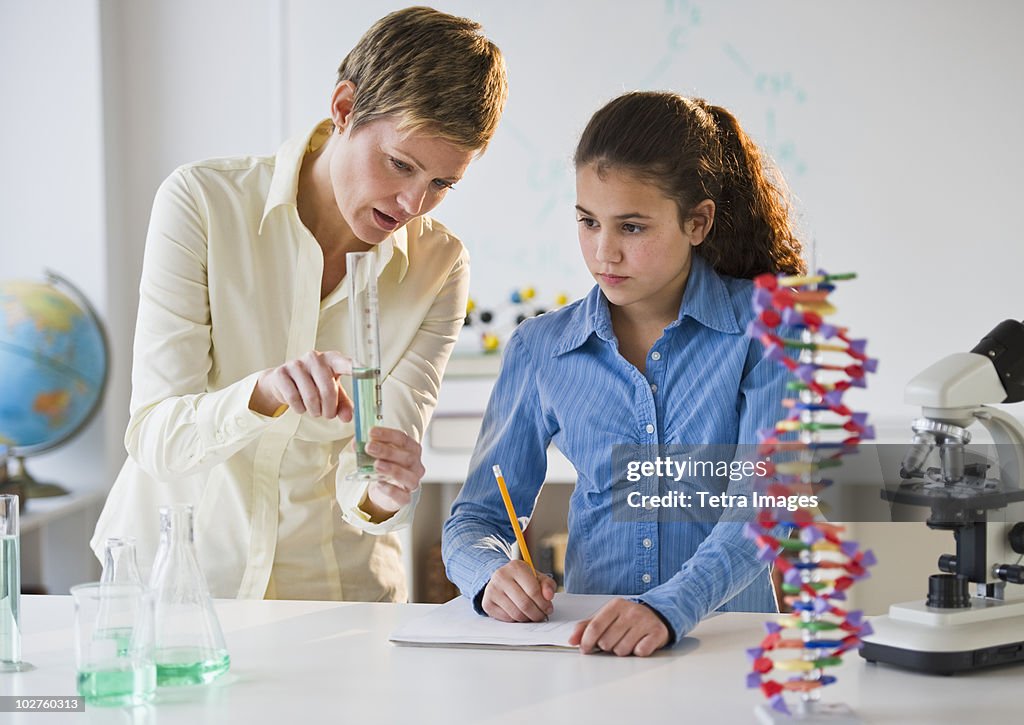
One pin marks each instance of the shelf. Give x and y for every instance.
(38, 512)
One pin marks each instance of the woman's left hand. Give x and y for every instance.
(622, 627)
(399, 459)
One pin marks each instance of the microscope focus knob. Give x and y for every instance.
(1017, 537)
(1010, 573)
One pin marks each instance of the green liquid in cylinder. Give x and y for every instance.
(364, 388)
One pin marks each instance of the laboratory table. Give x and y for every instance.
(301, 663)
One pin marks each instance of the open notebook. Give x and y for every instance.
(456, 624)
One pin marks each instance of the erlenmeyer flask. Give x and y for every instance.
(189, 645)
(119, 563)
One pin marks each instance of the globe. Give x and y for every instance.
(53, 367)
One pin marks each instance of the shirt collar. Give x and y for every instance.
(284, 185)
(706, 300)
(586, 319)
(284, 190)
(396, 245)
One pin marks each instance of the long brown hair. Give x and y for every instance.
(695, 151)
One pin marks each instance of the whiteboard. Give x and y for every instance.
(895, 123)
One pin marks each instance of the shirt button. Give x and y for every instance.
(646, 578)
(648, 543)
(654, 387)
(655, 355)
(649, 428)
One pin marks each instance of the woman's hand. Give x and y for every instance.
(398, 457)
(622, 627)
(516, 594)
(308, 384)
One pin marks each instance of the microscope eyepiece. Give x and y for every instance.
(1004, 346)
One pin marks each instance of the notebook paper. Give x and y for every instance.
(457, 624)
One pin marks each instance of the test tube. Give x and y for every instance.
(10, 587)
(364, 312)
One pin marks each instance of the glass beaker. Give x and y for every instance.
(364, 314)
(189, 645)
(119, 562)
(10, 587)
(114, 644)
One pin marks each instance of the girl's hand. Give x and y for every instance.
(622, 627)
(399, 458)
(515, 594)
(307, 385)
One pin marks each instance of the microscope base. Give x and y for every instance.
(950, 647)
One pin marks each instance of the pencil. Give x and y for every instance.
(512, 518)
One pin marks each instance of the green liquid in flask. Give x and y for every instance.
(117, 687)
(189, 666)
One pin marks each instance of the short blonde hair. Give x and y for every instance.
(432, 71)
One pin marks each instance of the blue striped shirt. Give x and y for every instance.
(563, 380)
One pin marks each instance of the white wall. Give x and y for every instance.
(182, 81)
(900, 150)
(896, 125)
(52, 176)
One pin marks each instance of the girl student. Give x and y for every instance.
(677, 211)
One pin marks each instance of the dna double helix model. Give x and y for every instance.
(816, 563)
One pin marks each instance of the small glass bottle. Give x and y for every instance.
(189, 645)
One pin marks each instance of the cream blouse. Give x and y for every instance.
(230, 287)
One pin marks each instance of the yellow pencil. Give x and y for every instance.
(512, 518)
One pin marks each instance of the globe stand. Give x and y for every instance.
(29, 486)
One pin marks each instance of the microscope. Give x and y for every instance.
(973, 616)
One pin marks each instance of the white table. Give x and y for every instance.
(317, 662)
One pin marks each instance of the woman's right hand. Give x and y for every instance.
(308, 384)
(516, 594)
